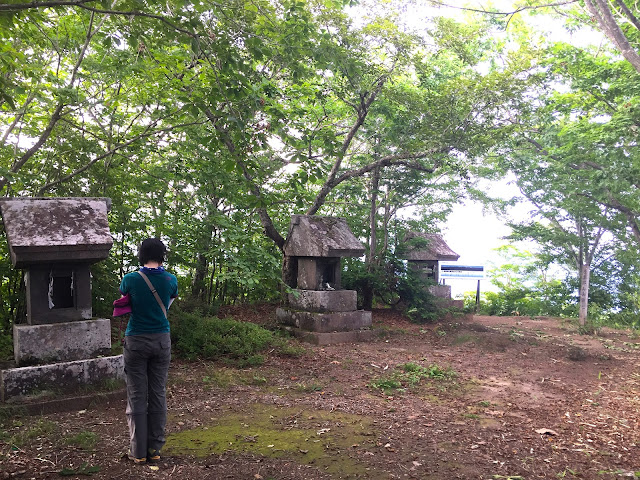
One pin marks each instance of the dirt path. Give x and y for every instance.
(488, 398)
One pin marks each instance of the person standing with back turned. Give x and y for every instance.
(147, 350)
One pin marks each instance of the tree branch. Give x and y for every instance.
(113, 150)
(604, 17)
(631, 216)
(134, 13)
(362, 111)
(57, 113)
(627, 11)
(16, 7)
(265, 218)
(389, 160)
(503, 14)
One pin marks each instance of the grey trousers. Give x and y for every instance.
(146, 366)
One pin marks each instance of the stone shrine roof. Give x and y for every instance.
(315, 236)
(56, 230)
(434, 247)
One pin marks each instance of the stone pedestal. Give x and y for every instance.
(318, 338)
(56, 240)
(440, 291)
(318, 310)
(60, 357)
(325, 317)
(61, 342)
(324, 301)
(19, 382)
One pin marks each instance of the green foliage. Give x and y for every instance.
(394, 284)
(387, 385)
(85, 440)
(187, 125)
(525, 287)
(198, 337)
(383, 279)
(41, 428)
(420, 305)
(6, 346)
(288, 348)
(411, 374)
(554, 298)
(84, 469)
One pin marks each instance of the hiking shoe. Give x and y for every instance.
(153, 455)
(135, 460)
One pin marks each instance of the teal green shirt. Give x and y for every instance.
(146, 315)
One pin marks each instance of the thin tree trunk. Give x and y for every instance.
(198, 286)
(601, 12)
(585, 274)
(385, 226)
(367, 294)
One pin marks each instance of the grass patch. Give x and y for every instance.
(226, 377)
(309, 388)
(290, 349)
(25, 434)
(85, 440)
(84, 469)
(411, 374)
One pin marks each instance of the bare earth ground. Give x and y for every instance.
(531, 399)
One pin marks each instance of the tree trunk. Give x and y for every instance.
(202, 268)
(601, 12)
(584, 293)
(367, 294)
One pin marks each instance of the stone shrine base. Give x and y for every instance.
(61, 342)
(318, 338)
(324, 328)
(64, 376)
(324, 322)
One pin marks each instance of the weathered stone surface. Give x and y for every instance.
(440, 291)
(307, 274)
(74, 403)
(324, 301)
(66, 376)
(324, 322)
(61, 342)
(56, 229)
(450, 303)
(317, 338)
(315, 236)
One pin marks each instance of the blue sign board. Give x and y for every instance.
(461, 271)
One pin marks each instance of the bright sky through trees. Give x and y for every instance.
(471, 230)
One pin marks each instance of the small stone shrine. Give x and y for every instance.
(55, 240)
(424, 252)
(318, 310)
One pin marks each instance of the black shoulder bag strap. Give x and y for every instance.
(155, 293)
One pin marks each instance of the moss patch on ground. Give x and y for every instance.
(334, 442)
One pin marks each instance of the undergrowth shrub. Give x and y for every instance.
(195, 336)
(382, 279)
(420, 305)
(549, 299)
